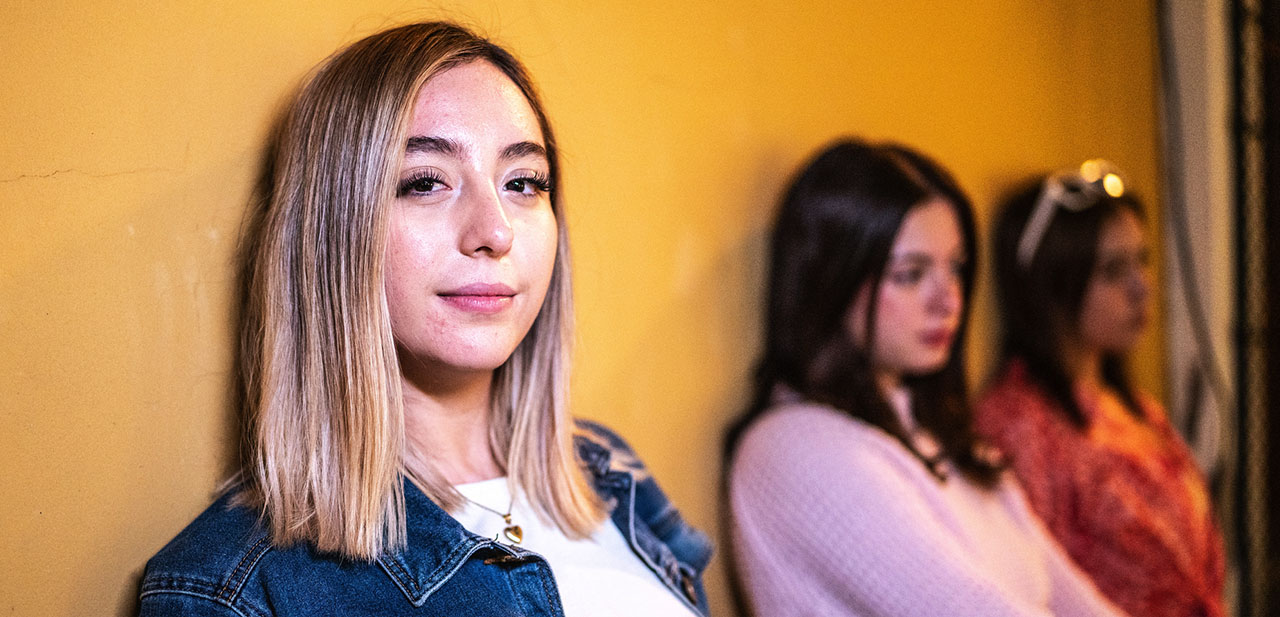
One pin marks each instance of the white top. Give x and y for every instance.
(835, 518)
(599, 576)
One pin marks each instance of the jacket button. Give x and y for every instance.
(690, 591)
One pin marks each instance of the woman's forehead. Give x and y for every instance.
(474, 101)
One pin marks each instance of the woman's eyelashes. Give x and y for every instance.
(530, 183)
(429, 182)
(907, 276)
(1117, 268)
(420, 183)
(916, 271)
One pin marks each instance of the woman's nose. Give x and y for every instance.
(946, 297)
(1140, 284)
(485, 225)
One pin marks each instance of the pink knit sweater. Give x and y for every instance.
(833, 517)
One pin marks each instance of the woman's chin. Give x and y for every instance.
(459, 361)
(928, 367)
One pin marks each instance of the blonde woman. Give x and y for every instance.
(404, 369)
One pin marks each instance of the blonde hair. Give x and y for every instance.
(327, 452)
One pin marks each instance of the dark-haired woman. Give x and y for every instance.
(1099, 460)
(857, 486)
(405, 359)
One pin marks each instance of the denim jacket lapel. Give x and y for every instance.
(644, 515)
(437, 546)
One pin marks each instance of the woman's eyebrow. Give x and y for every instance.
(449, 147)
(910, 257)
(920, 257)
(433, 145)
(523, 149)
(1124, 251)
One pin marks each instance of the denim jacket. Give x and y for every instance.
(223, 564)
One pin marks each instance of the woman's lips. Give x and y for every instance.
(485, 298)
(938, 338)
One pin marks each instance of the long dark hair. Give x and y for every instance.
(832, 237)
(1040, 298)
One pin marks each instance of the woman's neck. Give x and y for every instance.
(898, 397)
(447, 424)
(1083, 365)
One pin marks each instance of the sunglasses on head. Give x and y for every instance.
(1073, 190)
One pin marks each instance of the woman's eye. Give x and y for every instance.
(529, 185)
(419, 185)
(907, 277)
(1114, 270)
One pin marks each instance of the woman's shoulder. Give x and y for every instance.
(607, 456)
(821, 456)
(1014, 402)
(1011, 384)
(1151, 409)
(802, 440)
(593, 432)
(808, 425)
(602, 450)
(212, 556)
(225, 563)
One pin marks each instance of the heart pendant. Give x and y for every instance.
(513, 533)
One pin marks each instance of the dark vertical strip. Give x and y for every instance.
(1240, 498)
(1270, 23)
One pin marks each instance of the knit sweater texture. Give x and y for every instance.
(834, 517)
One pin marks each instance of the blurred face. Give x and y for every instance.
(472, 238)
(1114, 310)
(919, 303)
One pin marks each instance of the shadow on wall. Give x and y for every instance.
(129, 603)
(235, 452)
(231, 420)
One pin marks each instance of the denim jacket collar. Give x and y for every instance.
(649, 522)
(437, 545)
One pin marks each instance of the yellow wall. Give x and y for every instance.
(130, 134)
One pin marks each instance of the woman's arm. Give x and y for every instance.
(1073, 592)
(1024, 424)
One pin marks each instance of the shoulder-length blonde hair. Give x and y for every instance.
(327, 452)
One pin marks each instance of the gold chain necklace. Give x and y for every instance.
(512, 531)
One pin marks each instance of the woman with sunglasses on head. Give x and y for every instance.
(1098, 459)
(856, 484)
(405, 359)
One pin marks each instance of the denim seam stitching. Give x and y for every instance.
(662, 574)
(240, 574)
(418, 594)
(549, 587)
(440, 576)
(400, 577)
(195, 594)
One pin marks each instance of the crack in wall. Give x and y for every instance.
(72, 170)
